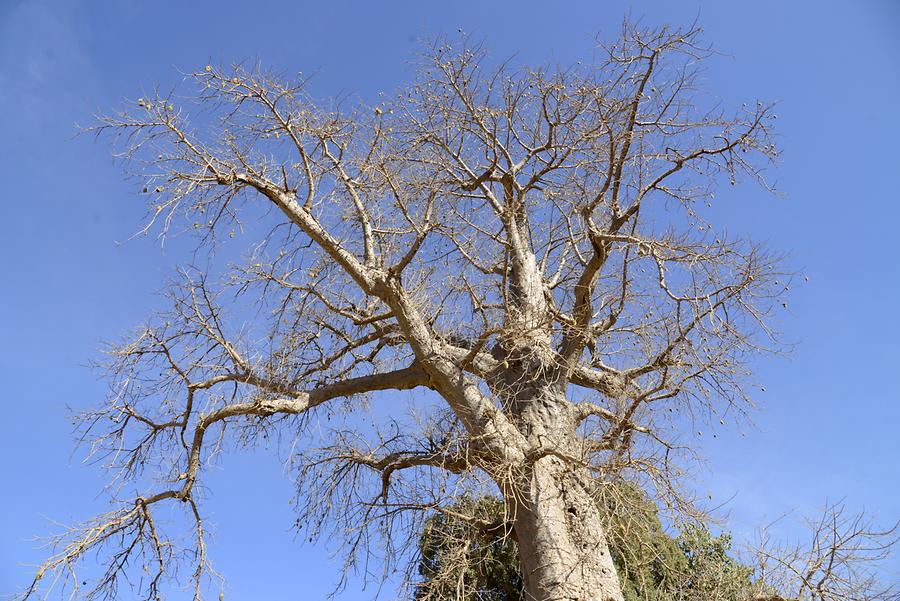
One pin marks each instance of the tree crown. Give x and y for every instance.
(526, 243)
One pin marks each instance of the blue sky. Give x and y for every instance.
(828, 428)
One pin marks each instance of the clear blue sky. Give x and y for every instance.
(831, 415)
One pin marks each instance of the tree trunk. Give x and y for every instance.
(563, 550)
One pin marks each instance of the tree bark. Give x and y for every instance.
(563, 550)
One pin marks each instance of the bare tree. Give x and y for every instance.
(840, 561)
(524, 246)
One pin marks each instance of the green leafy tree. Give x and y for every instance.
(468, 552)
(709, 572)
(459, 561)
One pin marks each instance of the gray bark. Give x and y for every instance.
(563, 550)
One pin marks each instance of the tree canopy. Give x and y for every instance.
(524, 247)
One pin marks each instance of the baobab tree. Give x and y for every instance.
(523, 247)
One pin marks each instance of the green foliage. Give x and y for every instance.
(648, 560)
(711, 573)
(462, 562)
(458, 562)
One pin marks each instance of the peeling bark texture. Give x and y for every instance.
(525, 246)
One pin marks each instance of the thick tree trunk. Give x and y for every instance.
(563, 549)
